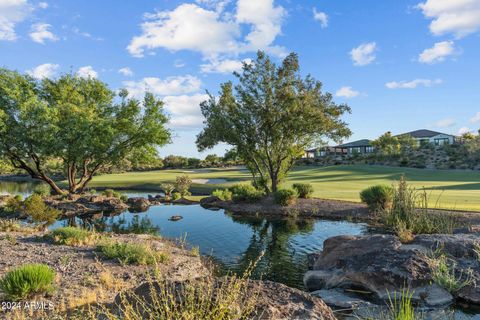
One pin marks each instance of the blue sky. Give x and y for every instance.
(400, 65)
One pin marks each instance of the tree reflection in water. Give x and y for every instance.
(272, 236)
(100, 223)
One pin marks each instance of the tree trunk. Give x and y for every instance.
(51, 183)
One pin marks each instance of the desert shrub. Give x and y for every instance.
(223, 194)
(132, 253)
(409, 211)
(182, 185)
(167, 188)
(13, 204)
(110, 193)
(304, 190)
(377, 197)
(72, 236)
(39, 212)
(92, 191)
(42, 190)
(27, 280)
(8, 225)
(124, 197)
(446, 274)
(246, 193)
(176, 196)
(285, 197)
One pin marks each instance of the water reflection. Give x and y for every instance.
(14, 187)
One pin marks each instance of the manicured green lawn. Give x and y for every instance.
(447, 189)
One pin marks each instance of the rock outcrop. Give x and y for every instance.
(85, 205)
(379, 265)
(138, 204)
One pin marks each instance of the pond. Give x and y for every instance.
(231, 241)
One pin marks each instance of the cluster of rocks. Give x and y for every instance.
(358, 271)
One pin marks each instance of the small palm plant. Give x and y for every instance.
(168, 189)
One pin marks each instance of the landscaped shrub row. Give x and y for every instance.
(285, 197)
(246, 193)
(224, 195)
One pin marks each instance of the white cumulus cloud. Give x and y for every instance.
(164, 87)
(12, 12)
(438, 53)
(46, 70)
(475, 118)
(223, 66)
(458, 17)
(126, 71)
(464, 130)
(185, 109)
(40, 32)
(347, 92)
(254, 25)
(87, 72)
(321, 17)
(364, 54)
(412, 84)
(445, 123)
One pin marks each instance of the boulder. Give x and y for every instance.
(209, 201)
(381, 265)
(175, 218)
(138, 204)
(86, 205)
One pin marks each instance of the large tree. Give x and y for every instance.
(78, 120)
(270, 116)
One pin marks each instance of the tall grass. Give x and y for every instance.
(410, 211)
(132, 253)
(72, 236)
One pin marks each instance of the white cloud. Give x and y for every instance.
(364, 54)
(164, 87)
(437, 53)
(185, 110)
(445, 123)
(464, 130)
(40, 32)
(412, 84)
(223, 66)
(321, 17)
(347, 92)
(212, 32)
(458, 17)
(43, 5)
(126, 71)
(87, 72)
(475, 118)
(11, 13)
(46, 70)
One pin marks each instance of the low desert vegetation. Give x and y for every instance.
(9, 225)
(410, 211)
(42, 215)
(132, 253)
(378, 197)
(246, 193)
(42, 190)
(72, 236)
(223, 194)
(27, 280)
(285, 197)
(13, 205)
(304, 190)
(446, 273)
(182, 185)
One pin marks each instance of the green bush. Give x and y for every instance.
(132, 253)
(176, 196)
(110, 193)
(223, 194)
(39, 212)
(42, 190)
(72, 236)
(9, 225)
(304, 190)
(182, 185)
(246, 193)
(14, 204)
(285, 197)
(377, 197)
(124, 197)
(27, 280)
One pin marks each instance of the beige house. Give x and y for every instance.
(429, 136)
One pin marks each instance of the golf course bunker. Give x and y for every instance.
(209, 181)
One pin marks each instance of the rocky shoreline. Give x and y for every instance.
(85, 277)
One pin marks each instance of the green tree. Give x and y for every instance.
(77, 120)
(387, 144)
(212, 160)
(270, 117)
